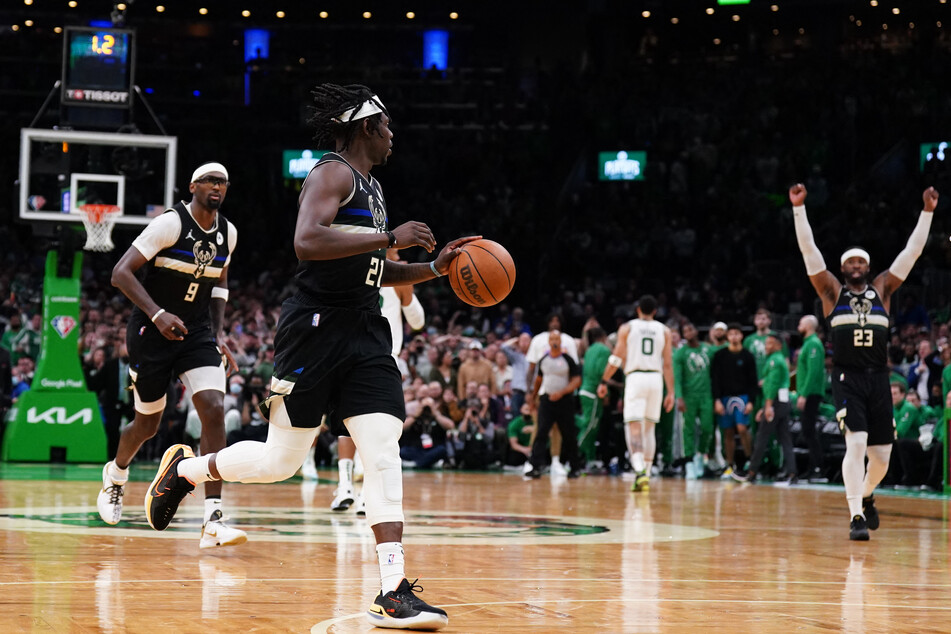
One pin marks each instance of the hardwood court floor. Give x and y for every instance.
(500, 554)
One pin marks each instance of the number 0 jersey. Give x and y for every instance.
(184, 262)
(859, 327)
(354, 281)
(645, 346)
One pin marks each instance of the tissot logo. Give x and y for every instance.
(58, 416)
(97, 96)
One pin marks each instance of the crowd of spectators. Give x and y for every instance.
(507, 149)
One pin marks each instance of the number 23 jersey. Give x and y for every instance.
(859, 328)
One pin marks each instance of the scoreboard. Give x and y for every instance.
(98, 67)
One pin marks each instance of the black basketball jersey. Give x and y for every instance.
(354, 281)
(859, 327)
(180, 277)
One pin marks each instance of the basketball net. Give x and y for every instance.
(98, 221)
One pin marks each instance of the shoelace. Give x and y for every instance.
(115, 492)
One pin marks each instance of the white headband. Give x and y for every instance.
(855, 252)
(368, 108)
(208, 168)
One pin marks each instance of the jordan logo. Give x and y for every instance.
(189, 236)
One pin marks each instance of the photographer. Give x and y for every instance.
(423, 442)
(253, 425)
(477, 430)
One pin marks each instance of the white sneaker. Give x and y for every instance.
(557, 468)
(215, 533)
(360, 506)
(691, 471)
(344, 498)
(309, 469)
(109, 501)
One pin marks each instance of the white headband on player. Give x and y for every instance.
(855, 252)
(208, 168)
(368, 108)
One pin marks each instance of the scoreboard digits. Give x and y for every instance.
(97, 67)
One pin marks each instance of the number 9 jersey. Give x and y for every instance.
(859, 328)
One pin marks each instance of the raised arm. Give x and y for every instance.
(889, 280)
(825, 283)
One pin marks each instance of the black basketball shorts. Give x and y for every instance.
(156, 360)
(334, 361)
(863, 402)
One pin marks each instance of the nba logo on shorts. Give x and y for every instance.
(315, 320)
(391, 558)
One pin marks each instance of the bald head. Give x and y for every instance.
(808, 325)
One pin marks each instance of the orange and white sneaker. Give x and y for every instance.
(216, 533)
(168, 489)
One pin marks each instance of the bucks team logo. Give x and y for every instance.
(63, 325)
(205, 252)
(861, 307)
(378, 211)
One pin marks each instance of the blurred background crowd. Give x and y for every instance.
(730, 110)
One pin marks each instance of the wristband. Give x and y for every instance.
(392, 237)
(432, 266)
(615, 361)
(219, 292)
(157, 313)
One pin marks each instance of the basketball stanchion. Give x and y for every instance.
(99, 220)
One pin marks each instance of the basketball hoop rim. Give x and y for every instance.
(95, 213)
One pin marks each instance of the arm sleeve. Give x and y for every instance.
(807, 244)
(415, 316)
(159, 234)
(901, 267)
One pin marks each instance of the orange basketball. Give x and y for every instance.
(482, 274)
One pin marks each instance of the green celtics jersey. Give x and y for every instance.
(692, 371)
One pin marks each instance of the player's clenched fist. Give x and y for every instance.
(797, 194)
(930, 197)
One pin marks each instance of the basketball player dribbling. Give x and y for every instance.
(333, 347)
(857, 312)
(643, 349)
(174, 331)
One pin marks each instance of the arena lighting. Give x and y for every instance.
(279, 14)
(453, 16)
(121, 6)
(324, 15)
(256, 44)
(73, 4)
(58, 29)
(28, 23)
(774, 8)
(15, 27)
(246, 13)
(645, 14)
(674, 20)
(896, 10)
(874, 3)
(709, 10)
(367, 15)
(160, 9)
(736, 18)
(410, 15)
(436, 49)
(27, 2)
(203, 11)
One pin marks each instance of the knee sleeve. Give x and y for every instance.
(155, 407)
(853, 464)
(377, 439)
(276, 459)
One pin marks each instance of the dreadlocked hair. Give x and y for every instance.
(330, 100)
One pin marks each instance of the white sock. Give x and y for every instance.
(195, 470)
(211, 505)
(117, 475)
(345, 469)
(638, 461)
(390, 555)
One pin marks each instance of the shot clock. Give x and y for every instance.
(97, 67)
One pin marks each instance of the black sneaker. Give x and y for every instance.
(534, 474)
(871, 513)
(858, 529)
(401, 609)
(168, 489)
(817, 477)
